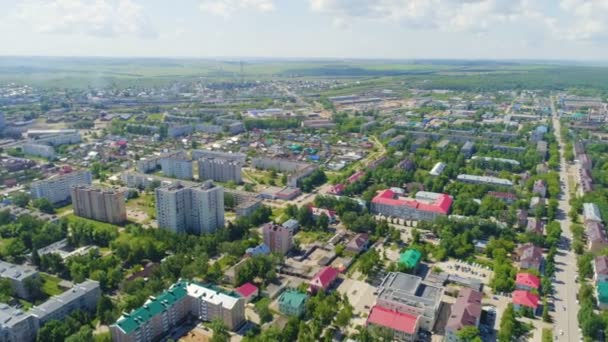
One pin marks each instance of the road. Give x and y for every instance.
(566, 306)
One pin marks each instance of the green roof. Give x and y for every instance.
(410, 258)
(130, 322)
(602, 291)
(293, 299)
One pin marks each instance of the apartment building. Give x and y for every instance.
(58, 188)
(219, 170)
(177, 167)
(486, 180)
(166, 311)
(39, 150)
(105, 205)
(18, 276)
(199, 154)
(466, 311)
(19, 326)
(277, 237)
(195, 209)
(409, 294)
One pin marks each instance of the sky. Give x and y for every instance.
(385, 29)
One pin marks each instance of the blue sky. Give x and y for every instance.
(471, 29)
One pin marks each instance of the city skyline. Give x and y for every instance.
(475, 29)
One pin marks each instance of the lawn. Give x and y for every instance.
(309, 237)
(51, 284)
(72, 219)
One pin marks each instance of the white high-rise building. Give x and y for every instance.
(190, 209)
(180, 168)
(58, 189)
(220, 170)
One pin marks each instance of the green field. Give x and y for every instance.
(51, 285)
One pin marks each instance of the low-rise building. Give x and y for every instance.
(388, 203)
(409, 294)
(486, 180)
(248, 291)
(437, 169)
(358, 243)
(403, 326)
(600, 269)
(524, 299)
(323, 280)
(529, 256)
(83, 296)
(602, 295)
(596, 236)
(591, 212)
(535, 226)
(527, 282)
(293, 303)
(466, 311)
(410, 259)
(540, 188)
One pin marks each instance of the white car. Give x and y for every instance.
(561, 332)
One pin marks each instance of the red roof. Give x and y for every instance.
(441, 206)
(355, 176)
(527, 279)
(394, 320)
(337, 189)
(246, 289)
(324, 278)
(525, 298)
(504, 195)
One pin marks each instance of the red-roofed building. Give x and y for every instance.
(388, 203)
(404, 326)
(355, 177)
(323, 280)
(248, 291)
(337, 189)
(525, 299)
(527, 282)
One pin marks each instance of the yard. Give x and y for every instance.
(51, 285)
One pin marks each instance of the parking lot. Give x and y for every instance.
(464, 269)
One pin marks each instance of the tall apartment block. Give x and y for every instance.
(195, 209)
(220, 170)
(177, 167)
(58, 189)
(105, 205)
(277, 237)
(162, 313)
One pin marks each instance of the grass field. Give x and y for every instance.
(73, 219)
(51, 285)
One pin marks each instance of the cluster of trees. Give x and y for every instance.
(262, 267)
(76, 327)
(316, 178)
(510, 328)
(27, 233)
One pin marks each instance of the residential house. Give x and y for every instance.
(410, 259)
(527, 282)
(540, 188)
(293, 303)
(248, 291)
(524, 299)
(596, 236)
(600, 269)
(466, 311)
(529, 256)
(403, 326)
(358, 244)
(323, 280)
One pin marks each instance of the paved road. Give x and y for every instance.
(566, 306)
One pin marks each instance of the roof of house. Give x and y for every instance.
(601, 265)
(502, 195)
(337, 189)
(293, 298)
(595, 231)
(441, 206)
(466, 310)
(602, 291)
(246, 289)
(355, 176)
(527, 279)
(325, 277)
(358, 242)
(525, 298)
(393, 320)
(410, 258)
(529, 252)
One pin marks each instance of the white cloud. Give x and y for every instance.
(105, 18)
(226, 8)
(588, 20)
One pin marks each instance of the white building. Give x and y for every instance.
(57, 189)
(177, 167)
(220, 170)
(39, 150)
(190, 209)
(437, 169)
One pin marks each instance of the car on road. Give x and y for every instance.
(561, 332)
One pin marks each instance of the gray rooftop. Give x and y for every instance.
(409, 289)
(15, 272)
(56, 302)
(10, 316)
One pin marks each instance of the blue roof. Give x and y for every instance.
(261, 249)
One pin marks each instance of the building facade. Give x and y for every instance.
(466, 311)
(105, 205)
(19, 276)
(220, 170)
(277, 237)
(58, 189)
(195, 209)
(388, 203)
(180, 168)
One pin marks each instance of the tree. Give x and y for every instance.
(53, 331)
(261, 307)
(546, 317)
(6, 290)
(469, 334)
(85, 334)
(220, 332)
(35, 257)
(105, 310)
(20, 199)
(44, 205)
(323, 222)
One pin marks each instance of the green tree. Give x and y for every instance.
(469, 334)
(220, 332)
(44, 205)
(20, 199)
(85, 334)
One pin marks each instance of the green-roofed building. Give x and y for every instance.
(602, 295)
(293, 303)
(410, 259)
(160, 314)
